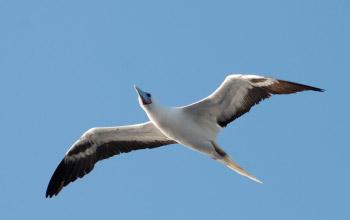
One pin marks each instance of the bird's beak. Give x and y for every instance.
(139, 91)
(143, 96)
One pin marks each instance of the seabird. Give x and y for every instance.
(195, 126)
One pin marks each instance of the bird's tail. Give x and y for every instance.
(226, 160)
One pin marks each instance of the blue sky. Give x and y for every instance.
(67, 66)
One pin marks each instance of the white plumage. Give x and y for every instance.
(195, 126)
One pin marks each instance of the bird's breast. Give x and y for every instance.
(181, 127)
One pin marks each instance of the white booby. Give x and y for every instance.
(195, 126)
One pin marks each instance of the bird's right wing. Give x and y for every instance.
(100, 143)
(238, 93)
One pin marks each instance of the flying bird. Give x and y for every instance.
(195, 126)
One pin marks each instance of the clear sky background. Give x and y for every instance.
(67, 66)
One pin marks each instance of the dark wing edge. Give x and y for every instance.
(85, 153)
(260, 91)
(254, 97)
(286, 87)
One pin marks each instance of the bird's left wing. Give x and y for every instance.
(237, 94)
(100, 143)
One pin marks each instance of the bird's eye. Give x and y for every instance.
(148, 95)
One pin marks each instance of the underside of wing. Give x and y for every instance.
(239, 93)
(101, 143)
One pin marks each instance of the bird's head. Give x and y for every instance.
(145, 98)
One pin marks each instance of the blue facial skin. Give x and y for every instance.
(146, 97)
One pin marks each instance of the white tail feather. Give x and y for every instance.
(235, 167)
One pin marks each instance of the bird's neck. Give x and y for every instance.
(157, 112)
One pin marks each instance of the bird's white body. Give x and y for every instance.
(181, 126)
(195, 126)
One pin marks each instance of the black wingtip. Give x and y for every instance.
(55, 184)
(292, 87)
(48, 196)
(316, 89)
